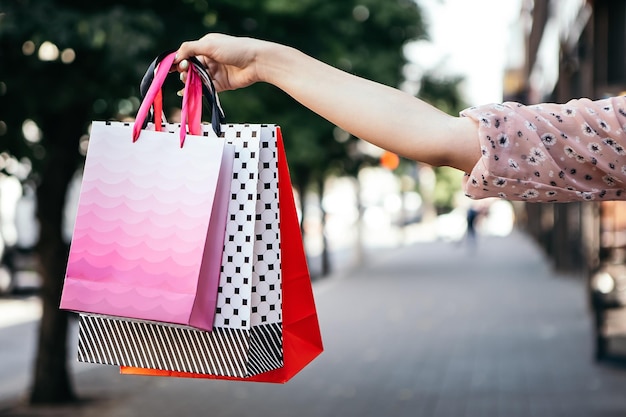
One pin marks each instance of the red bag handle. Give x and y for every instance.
(157, 108)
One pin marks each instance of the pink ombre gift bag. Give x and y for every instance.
(149, 232)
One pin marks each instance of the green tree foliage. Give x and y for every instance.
(362, 37)
(444, 94)
(64, 63)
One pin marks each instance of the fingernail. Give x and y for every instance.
(184, 64)
(179, 93)
(182, 76)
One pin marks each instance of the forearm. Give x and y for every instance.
(379, 114)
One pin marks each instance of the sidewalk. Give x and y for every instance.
(430, 330)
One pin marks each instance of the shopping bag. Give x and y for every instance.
(149, 231)
(246, 338)
(301, 337)
(265, 329)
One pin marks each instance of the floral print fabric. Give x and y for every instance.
(550, 152)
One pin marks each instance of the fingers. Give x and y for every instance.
(182, 67)
(183, 78)
(185, 50)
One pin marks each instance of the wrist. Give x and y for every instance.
(273, 62)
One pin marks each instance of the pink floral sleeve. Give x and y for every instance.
(550, 152)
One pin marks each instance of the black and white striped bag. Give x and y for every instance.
(247, 335)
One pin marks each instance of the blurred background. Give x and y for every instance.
(366, 214)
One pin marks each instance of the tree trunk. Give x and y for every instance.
(326, 266)
(51, 379)
(300, 182)
(567, 241)
(52, 384)
(359, 245)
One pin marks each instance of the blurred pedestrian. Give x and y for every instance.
(545, 152)
(472, 218)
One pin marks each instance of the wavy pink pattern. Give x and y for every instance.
(141, 225)
(158, 253)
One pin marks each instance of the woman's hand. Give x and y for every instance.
(231, 61)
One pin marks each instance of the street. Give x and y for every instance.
(18, 327)
(432, 329)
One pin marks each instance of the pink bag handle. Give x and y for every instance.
(191, 113)
(192, 100)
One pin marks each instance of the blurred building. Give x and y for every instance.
(569, 49)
